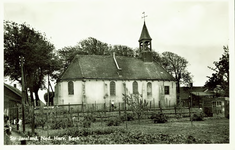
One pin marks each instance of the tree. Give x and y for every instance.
(51, 96)
(92, 46)
(177, 67)
(66, 55)
(22, 41)
(136, 103)
(121, 50)
(221, 75)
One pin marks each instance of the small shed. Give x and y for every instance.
(12, 99)
(220, 106)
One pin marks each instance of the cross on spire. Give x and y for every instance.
(144, 16)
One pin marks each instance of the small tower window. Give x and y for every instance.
(70, 88)
(112, 88)
(135, 88)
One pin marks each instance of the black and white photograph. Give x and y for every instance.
(117, 72)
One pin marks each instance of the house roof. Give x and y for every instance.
(185, 91)
(104, 67)
(13, 89)
(145, 34)
(202, 93)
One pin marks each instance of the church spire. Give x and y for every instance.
(145, 45)
(144, 34)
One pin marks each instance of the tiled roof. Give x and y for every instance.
(145, 34)
(203, 93)
(185, 91)
(13, 89)
(104, 67)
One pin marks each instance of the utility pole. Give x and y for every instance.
(48, 100)
(23, 91)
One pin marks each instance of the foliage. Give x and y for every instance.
(159, 117)
(51, 96)
(67, 54)
(136, 103)
(177, 67)
(114, 122)
(221, 75)
(208, 111)
(197, 116)
(40, 121)
(127, 117)
(92, 46)
(23, 43)
(88, 119)
(121, 50)
(87, 136)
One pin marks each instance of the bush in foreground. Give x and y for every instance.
(197, 117)
(114, 122)
(158, 117)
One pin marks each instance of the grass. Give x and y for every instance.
(213, 130)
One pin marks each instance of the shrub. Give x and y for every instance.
(178, 116)
(86, 123)
(40, 121)
(208, 111)
(127, 117)
(197, 117)
(158, 117)
(90, 117)
(114, 122)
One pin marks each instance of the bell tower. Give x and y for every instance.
(145, 45)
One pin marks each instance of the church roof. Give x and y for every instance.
(104, 67)
(145, 34)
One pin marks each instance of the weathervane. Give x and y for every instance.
(144, 16)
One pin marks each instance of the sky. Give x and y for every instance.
(196, 30)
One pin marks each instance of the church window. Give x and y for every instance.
(135, 88)
(112, 88)
(149, 90)
(70, 88)
(167, 90)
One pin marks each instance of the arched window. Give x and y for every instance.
(112, 88)
(149, 90)
(135, 88)
(70, 88)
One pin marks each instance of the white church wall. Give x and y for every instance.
(98, 91)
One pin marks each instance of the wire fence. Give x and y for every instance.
(55, 117)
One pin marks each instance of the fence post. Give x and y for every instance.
(160, 106)
(110, 108)
(105, 109)
(189, 112)
(119, 109)
(175, 110)
(150, 105)
(78, 112)
(17, 119)
(82, 109)
(153, 103)
(33, 123)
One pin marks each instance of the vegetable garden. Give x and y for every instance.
(71, 125)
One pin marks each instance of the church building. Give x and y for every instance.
(97, 79)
